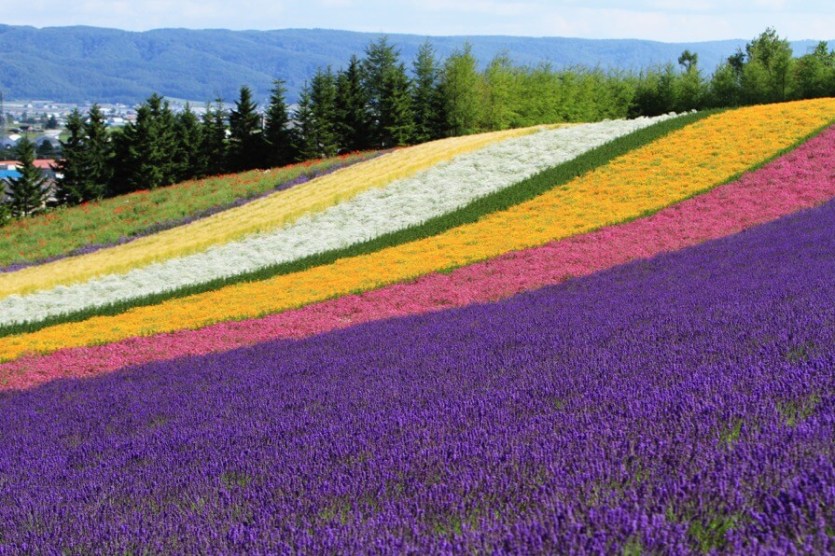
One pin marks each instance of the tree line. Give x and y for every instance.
(376, 102)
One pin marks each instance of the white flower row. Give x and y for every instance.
(404, 203)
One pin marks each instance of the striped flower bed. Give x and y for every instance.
(683, 406)
(798, 180)
(97, 225)
(640, 182)
(403, 203)
(274, 211)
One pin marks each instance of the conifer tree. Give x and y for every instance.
(351, 108)
(396, 117)
(189, 161)
(146, 149)
(246, 139)
(426, 99)
(323, 109)
(380, 61)
(73, 184)
(99, 154)
(279, 142)
(305, 139)
(213, 145)
(27, 192)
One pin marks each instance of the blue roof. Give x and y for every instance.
(9, 174)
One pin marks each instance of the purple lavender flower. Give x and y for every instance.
(683, 404)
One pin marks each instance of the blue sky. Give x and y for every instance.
(662, 20)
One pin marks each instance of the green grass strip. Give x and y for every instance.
(518, 193)
(68, 231)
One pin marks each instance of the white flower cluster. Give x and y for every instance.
(402, 204)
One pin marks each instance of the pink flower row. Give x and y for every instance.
(801, 179)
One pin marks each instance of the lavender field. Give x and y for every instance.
(681, 404)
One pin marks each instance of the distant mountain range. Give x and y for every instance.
(77, 64)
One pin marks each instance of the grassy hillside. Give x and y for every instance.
(611, 337)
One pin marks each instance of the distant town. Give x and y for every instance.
(43, 121)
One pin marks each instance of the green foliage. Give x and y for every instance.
(305, 141)
(213, 143)
(189, 160)
(711, 534)
(426, 98)
(27, 192)
(795, 412)
(5, 210)
(86, 163)
(277, 135)
(74, 187)
(461, 91)
(815, 73)
(98, 153)
(656, 92)
(381, 60)
(352, 119)
(246, 139)
(397, 119)
(146, 149)
(324, 114)
(501, 94)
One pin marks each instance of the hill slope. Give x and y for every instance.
(75, 64)
(629, 351)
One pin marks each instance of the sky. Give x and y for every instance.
(661, 20)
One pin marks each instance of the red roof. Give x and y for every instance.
(42, 163)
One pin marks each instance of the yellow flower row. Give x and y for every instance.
(680, 165)
(262, 215)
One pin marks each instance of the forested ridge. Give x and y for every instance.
(381, 100)
(78, 64)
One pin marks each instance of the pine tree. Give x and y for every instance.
(73, 184)
(396, 117)
(277, 135)
(323, 109)
(352, 108)
(189, 136)
(305, 140)
(246, 141)
(380, 60)
(426, 99)
(213, 146)
(27, 193)
(146, 150)
(99, 153)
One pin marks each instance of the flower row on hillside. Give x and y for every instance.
(373, 213)
(798, 180)
(93, 226)
(640, 182)
(680, 406)
(266, 214)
